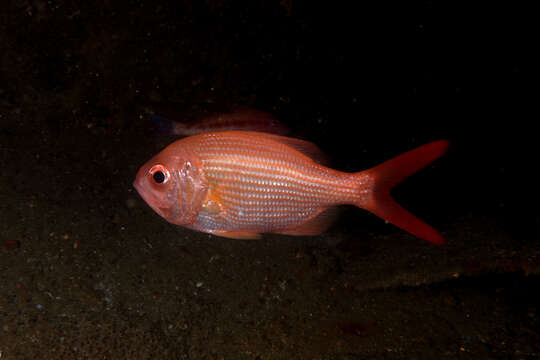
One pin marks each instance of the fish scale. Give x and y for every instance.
(239, 184)
(294, 188)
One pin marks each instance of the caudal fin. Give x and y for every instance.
(390, 173)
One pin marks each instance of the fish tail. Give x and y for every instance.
(390, 173)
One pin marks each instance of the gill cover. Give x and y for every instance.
(190, 188)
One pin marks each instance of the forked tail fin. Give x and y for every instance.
(390, 173)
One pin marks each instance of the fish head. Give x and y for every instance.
(173, 185)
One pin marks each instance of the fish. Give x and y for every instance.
(241, 184)
(242, 118)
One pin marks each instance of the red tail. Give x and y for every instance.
(389, 174)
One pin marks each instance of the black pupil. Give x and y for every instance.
(159, 177)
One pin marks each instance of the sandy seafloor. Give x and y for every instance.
(88, 271)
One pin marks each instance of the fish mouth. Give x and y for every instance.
(136, 185)
(148, 197)
(140, 189)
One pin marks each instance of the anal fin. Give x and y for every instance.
(244, 235)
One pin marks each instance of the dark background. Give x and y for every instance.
(366, 82)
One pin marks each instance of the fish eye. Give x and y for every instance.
(160, 174)
(159, 177)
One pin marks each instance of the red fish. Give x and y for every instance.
(242, 118)
(239, 184)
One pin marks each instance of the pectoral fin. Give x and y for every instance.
(212, 204)
(212, 207)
